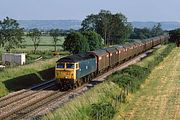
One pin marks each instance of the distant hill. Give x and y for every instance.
(76, 24)
(49, 24)
(165, 25)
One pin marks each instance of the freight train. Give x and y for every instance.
(74, 70)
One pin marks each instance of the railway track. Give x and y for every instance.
(42, 101)
(9, 103)
(29, 109)
(37, 87)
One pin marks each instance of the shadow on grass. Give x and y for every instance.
(27, 81)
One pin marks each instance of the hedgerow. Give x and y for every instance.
(131, 78)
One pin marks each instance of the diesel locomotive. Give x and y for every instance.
(73, 70)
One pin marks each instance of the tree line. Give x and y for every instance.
(12, 35)
(102, 29)
(98, 30)
(144, 33)
(175, 36)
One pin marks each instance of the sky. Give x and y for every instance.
(134, 10)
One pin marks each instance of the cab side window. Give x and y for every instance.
(77, 66)
(69, 65)
(60, 65)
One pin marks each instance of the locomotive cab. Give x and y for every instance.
(71, 71)
(65, 70)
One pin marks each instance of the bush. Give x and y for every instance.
(102, 111)
(131, 78)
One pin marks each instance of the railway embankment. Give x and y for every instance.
(23, 77)
(105, 100)
(159, 98)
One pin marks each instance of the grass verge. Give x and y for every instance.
(21, 77)
(159, 98)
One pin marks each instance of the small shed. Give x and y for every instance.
(2, 67)
(11, 58)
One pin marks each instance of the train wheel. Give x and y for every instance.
(85, 79)
(75, 85)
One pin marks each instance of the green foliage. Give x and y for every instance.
(102, 111)
(175, 36)
(139, 33)
(31, 57)
(75, 42)
(11, 35)
(131, 78)
(35, 36)
(160, 57)
(12, 75)
(94, 40)
(145, 33)
(156, 30)
(55, 33)
(109, 26)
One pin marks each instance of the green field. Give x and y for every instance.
(45, 48)
(46, 43)
(20, 77)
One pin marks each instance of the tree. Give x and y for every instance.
(139, 33)
(55, 33)
(144, 33)
(175, 36)
(94, 40)
(11, 35)
(108, 25)
(75, 42)
(35, 36)
(156, 30)
(1, 38)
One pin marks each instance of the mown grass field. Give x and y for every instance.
(159, 98)
(107, 93)
(46, 44)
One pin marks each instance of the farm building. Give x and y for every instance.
(11, 58)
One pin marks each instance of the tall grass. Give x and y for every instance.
(102, 101)
(80, 107)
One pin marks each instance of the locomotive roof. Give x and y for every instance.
(76, 57)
